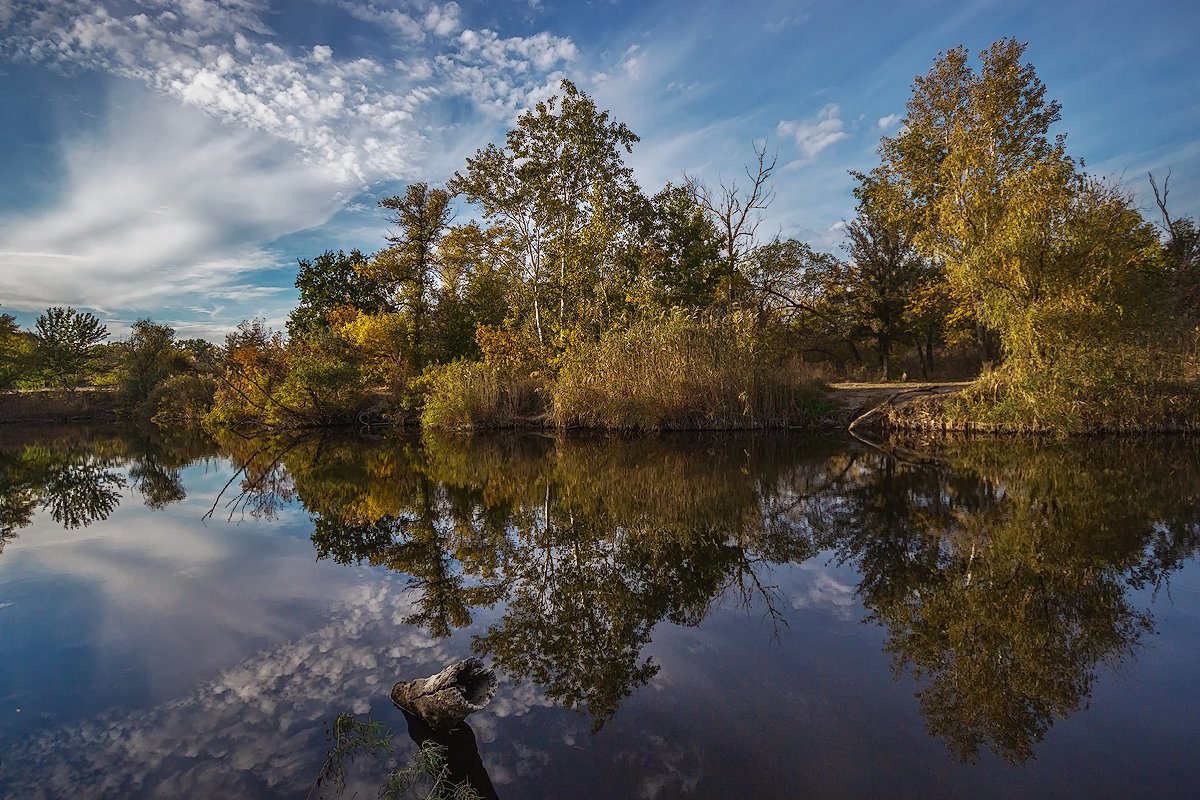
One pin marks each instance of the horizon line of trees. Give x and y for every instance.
(975, 234)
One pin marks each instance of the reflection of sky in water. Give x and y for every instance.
(157, 654)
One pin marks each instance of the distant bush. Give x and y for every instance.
(183, 398)
(317, 391)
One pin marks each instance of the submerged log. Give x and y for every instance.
(445, 699)
(464, 765)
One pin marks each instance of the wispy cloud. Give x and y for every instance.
(783, 23)
(353, 113)
(258, 722)
(162, 202)
(631, 61)
(827, 592)
(814, 134)
(387, 18)
(889, 122)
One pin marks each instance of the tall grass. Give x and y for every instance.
(683, 371)
(57, 406)
(473, 394)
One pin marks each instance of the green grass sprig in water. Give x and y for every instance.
(351, 737)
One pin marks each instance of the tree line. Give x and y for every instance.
(977, 243)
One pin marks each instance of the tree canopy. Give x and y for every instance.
(558, 194)
(66, 342)
(1047, 255)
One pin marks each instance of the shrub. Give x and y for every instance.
(183, 398)
(1120, 388)
(473, 394)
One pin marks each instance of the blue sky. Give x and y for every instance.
(173, 158)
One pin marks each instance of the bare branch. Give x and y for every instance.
(737, 212)
(1161, 199)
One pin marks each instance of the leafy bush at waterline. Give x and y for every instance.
(1116, 389)
(474, 394)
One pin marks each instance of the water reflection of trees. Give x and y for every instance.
(265, 485)
(588, 545)
(78, 476)
(1003, 577)
(1002, 572)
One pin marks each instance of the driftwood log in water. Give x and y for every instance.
(445, 699)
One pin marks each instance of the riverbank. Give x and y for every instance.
(937, 407)
(997, 404)
(859, 404)
(51, 406)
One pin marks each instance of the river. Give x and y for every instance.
(707, 615)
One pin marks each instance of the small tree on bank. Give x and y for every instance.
(11, 352)
(560, 195)
(66, 345)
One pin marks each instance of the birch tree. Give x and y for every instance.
(561, 191)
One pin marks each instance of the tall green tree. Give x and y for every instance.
(790, 281)
(12, 352)
(409, 267)
(679, 253)
(562, 195)
(148, 358)
(1039, 247)
(67, 345)
(473, 290)
(885, 270)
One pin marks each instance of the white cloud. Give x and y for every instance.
(888, 122)
(258, 722)
(815, 134)
(442, 21)
(363, 118)
(164, 202)
(666, 767)
(631, 61)
(388, 17)
(827, 592)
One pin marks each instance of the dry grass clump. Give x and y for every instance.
(56, 406)
(473, 394)
(683, 371)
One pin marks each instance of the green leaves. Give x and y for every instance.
(66, 342)
(330, 284)
(1041, 251)
(410, 266)
(562, 197)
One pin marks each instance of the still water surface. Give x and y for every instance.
(703, 616)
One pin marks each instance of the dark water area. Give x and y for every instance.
(681, 616)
